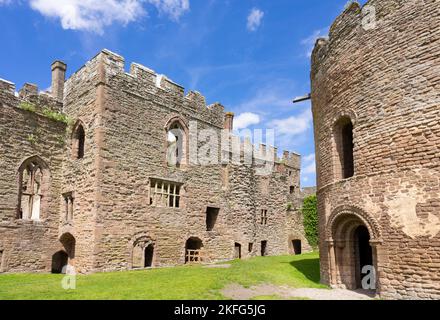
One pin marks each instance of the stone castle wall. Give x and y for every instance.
(385, 79)
(28, 245)
(125, 116)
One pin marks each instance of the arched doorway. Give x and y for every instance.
(193, 250)
(142, 255)
(148, 256)
(351, 252)
(66, 256)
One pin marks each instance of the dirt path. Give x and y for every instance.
(238, 292)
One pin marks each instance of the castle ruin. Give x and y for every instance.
(86, 178)
(375, 100)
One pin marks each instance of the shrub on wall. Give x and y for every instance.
(310, 214)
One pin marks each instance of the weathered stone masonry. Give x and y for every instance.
(384, 82)
(108, 174)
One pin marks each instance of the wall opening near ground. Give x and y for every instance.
(263, 248)
(193, 250)
(237, 247)
(296, 247)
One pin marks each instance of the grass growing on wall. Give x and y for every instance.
(47, 112)
(185, 282)
(310, 214)
(27, 106)
(57, 116)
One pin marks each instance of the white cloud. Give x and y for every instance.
(274, 96)
(254, 19)
(89, 15)
(245, 120)
(92, 15)
(309, 42)
(309, 164)
(172, 8)
(5, 2)
(294, 125)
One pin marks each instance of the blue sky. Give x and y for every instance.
(250, 55)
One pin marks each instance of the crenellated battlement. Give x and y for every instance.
(28, 97)
(259, 154)
(356, 20)
(108, 68)
(7, 86)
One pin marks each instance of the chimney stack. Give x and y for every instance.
(58, 77)
(229, 121)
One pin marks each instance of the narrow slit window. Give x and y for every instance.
(68, 203)
(78, 142)
(344, 157)
(263, 218)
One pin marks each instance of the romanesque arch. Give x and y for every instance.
(352, 236)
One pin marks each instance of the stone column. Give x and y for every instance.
(376, 246)
(331, 262)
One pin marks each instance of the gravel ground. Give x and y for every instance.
(238, 292)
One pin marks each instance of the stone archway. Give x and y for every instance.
(143, 253)
(352, 237)
(66, 256)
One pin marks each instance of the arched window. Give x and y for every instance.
(78, 141)
(344, 159)
(33, 178)
(176, 142)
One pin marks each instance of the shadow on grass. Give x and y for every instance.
(309, 268)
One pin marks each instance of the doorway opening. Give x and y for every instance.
(148, 256)
(296, 246)
(364, 252)
(237, 250)
(263, 248)
(193, 250)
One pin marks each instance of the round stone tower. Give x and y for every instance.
(376, 111)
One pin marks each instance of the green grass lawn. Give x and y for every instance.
(186, 282)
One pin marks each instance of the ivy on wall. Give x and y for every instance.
(310, 214)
